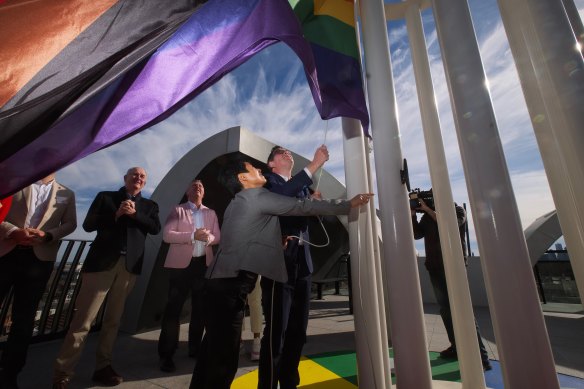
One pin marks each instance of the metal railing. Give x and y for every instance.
(57, 304)
(555, 278)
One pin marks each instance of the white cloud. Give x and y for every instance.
(267, 98)
(523, 159)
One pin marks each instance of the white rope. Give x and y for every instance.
(328, 240)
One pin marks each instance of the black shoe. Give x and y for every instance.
(487, 365)
(61, 383)
(107, 376)
(167, 365)
(449, 353)
(8, 381)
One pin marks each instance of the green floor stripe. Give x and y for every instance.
(444, 369)
(344, 364)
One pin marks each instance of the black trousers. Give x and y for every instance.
(182, 281)
(218, 358)
(438, 279)
(286, 308)
(28, 275)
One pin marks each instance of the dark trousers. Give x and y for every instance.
(219, 355)
(182, 281)
(286, 308)
(28, 275)
(438, 279)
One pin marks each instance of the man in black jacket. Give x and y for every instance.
(250, 246)
(427, 228)
(286, 305)
(122, 220)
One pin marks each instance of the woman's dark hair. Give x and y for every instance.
(228, 175)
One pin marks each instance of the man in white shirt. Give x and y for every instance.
(41, 214)
(191, 229)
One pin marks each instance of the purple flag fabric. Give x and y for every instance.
(218, 37)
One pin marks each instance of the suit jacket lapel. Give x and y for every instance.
(52, 198)
(139, 204)
(27, 192)
(189, 215)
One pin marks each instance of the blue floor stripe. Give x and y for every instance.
(494, 379)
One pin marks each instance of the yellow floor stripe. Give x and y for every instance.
(310, 373)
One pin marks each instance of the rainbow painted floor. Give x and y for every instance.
(338, 370)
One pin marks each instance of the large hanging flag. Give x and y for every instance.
(57, 54)
(96, 95)
(329, 26)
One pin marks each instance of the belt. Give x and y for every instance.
(199, 258)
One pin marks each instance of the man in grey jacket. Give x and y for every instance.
(251, 244)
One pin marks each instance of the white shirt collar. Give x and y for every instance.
(193, 206)
(284, 177)
(40, 183)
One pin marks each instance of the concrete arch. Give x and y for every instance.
(146, 303)
(541, 234)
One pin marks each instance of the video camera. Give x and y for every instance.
(418, 194)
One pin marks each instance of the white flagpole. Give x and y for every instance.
(458, 291)
(551, 70)
(522, 340)
(408, 332)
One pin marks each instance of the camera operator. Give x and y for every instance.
(427, 228)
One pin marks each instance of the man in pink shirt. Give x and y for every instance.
(191, 229)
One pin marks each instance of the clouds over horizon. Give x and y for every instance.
(269, 96)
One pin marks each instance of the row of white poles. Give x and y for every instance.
(518, 322)
(370, 328)
(458, 290)
(553, 96)
(412, 366)
(550, 67)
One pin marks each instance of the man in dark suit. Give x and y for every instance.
(41, 214)
(250, 244)
(286, 305)
(122, 220)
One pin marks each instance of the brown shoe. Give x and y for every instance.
(107, 376)
(61, 383)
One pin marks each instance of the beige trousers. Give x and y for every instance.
(116, 284)
(256, 316)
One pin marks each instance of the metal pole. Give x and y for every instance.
(408, 333)
(382, 269)
(379, 263)
(371, 344)
(463, 321)
(522, 340)
(575, 21)
(551, 70)
(467, 233)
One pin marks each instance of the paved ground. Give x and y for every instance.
(330, 329)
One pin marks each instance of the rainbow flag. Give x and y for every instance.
(56, 55)
(121, 67)
(329, 26)
(82, 75)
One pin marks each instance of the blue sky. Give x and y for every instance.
(269, 95)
